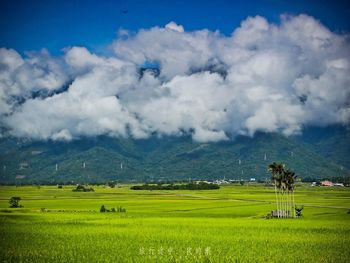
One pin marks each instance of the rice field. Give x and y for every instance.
(225, 225)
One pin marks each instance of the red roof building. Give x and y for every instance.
(327, 183)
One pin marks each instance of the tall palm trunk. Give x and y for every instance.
(293, 203)
(286, 203)
(282, 202)
(290, 204)
(278, 215)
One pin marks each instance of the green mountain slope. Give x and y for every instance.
(332, 143)
(169, 158)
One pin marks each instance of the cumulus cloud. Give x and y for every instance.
(172, 25)
(263, 77)
(20, 77)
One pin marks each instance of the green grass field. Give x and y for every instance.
(225, 225)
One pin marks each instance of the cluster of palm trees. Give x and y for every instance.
(284, 180)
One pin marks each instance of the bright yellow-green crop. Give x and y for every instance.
(226, 225)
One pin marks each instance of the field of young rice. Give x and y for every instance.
(225, 225)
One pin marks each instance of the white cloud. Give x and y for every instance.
(264, 77)
(20, 77)
(172, 25)
(177, 52)
(62, 135)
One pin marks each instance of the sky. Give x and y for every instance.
(27, 25)
(70, 69)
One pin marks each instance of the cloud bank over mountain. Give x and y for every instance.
(168, 81)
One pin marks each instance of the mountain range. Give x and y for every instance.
(316, 153)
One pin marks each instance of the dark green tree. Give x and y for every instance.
(103, 209)
(111, 184)
(14, 202)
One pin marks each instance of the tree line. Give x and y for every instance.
(189, 186)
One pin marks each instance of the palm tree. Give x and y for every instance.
(283, 188)
(276, 170)
(272, 168)
(291, 180)
(287, 175)
(284, 180)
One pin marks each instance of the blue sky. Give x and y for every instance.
(35, 24)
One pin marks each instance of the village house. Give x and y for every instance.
(326, 183)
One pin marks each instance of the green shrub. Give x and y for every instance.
(121, 210)
(111, 184)
(103, 209)
(14, 202)
(83, 188)
(298, 210)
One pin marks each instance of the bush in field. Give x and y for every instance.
(59, 186)
(14, 202)
(298, 210)
(103, 209)
(83, 188)
(120, 209)
(111, 184)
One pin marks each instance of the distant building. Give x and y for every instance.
(339, 184)
(206, 182)
(327, 183)
(220, 182)
(252, 179)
